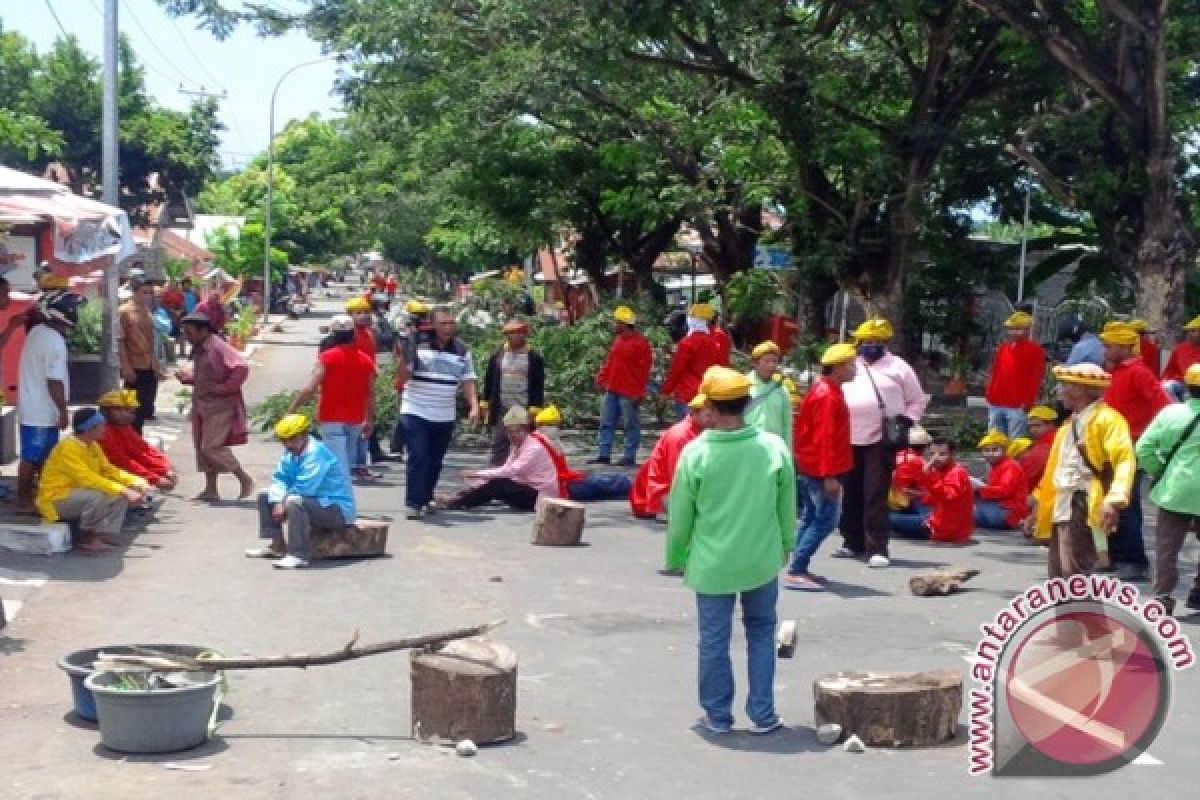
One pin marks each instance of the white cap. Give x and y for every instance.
(341, 322)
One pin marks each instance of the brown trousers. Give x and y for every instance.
(1169, 536)
(1072, 549)
(864, 522)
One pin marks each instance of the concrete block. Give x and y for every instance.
(39, 539)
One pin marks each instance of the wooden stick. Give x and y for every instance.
(165, 661)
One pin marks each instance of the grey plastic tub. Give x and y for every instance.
(78, 666)
(157, 720)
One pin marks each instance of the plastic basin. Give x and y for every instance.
(154, 720)
(78, 666)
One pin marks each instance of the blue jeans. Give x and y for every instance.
(341, 439)
(613, 405)
(818, 517)
(911, 524)
(1127, 545)
(427, 445)
(990, 514)
(715, 617)
(600, 486)
(1012, 422)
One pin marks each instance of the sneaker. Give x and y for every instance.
(770, 727)
(262, 552)
(1193, 600)
(414, 513)
(708, 726)
(290, 562)
(845, 552)
(600, 460)
(878, 562)
(1168, 603)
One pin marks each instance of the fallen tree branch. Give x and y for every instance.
(158, 661)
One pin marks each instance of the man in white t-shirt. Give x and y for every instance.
(43, 387)
(432, 371)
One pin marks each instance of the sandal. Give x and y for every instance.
(802, 583)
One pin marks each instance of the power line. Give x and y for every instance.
(192, 52)
(57, 21)
(150, 40)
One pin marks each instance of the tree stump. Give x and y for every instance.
(940, 581)
(558, 522)
(465, 690)
(366, 537)
(891, 709)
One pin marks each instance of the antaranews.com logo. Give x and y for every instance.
(1072, 678)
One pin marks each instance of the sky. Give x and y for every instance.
(175, 52)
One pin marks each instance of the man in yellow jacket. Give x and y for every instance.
(1088, 475)
(79, 483)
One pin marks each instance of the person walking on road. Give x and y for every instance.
(218, 416)
(140, 366)
(344, 381)
(1169, 451)
(731, 526)
(623, 377)
(515, 378)
(1016, 380)
(433, 371)
(310, 489)
(884, 387)
(823, 455)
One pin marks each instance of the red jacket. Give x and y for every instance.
(949, 493)
(1136, 395)
(724, 342)
(1183, 356)
(1033, 461)
(1008, 486)
(364, 337)
(1017, 374)
(821, 441)
(1149, 351)
(653, 480)
(626, 369)
(694, 354)
(563, 472)
(126, 449)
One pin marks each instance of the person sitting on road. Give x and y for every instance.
(124, 446)
(1003, 500)
(524, 478)
(79, 483)
(943, 511)
(310, 489)
(578, 486)
(910, 468)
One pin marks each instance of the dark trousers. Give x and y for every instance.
(507, 491)
(1169, 537)
(427, 445)
(864, 522)
(1072, 548)
(398, 436)
(1127, 545)
(146, 386)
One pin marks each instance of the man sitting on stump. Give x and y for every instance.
(310, 489)
(526, 476)
(124, 446)
(79, 483)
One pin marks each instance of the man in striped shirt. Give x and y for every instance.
(433, 371)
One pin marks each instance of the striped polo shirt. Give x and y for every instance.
(432, 388)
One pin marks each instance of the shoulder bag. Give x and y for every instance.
(895, 427)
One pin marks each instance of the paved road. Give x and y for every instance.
(607, 649)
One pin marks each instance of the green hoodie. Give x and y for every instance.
(732, 512)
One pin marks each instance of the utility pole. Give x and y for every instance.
(109, 178)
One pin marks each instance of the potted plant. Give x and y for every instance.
(960, 367)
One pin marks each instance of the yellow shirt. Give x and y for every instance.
(74, 464)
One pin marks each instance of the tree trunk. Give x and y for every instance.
(590, 254)
(642, 253)
(891, 709)
(558, 522)
(465, 690)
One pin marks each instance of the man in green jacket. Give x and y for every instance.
(731, 527)
(770, 407)
(1176, 478)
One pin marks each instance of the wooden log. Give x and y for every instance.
(465, 690)
(366, 537)
(558, 522)
(891, 709)
(940, 581)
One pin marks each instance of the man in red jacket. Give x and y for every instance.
(945, 508)
(124, 446)
(695, 353)
(623, 377)
(652, 484)
(1183, 356)
(1004, 498)
(1016, 379)
(823, 455)
(1137, 396)
(1042, 431)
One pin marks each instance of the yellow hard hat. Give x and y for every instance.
(722, 383)
(1192, 376)
(357, 305)
(625, 314)
(291, 426)
(1018, 446)
(993, 439)
(1194, 325)
(697, 402)
(701, 311)
(414, 306)
(550, 415)
(764, 348)
(1043, 413)
(874, 330)
(1119, 333)
(1019, 319)
(838, 354)
(114, 398)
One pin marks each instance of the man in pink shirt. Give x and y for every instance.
(883, 379)
(525, 477)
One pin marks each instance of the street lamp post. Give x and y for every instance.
(271, 186)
